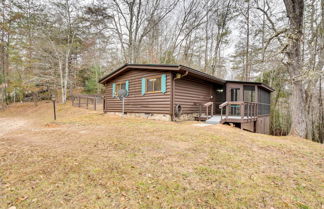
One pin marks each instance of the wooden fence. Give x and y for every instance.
(87, 101)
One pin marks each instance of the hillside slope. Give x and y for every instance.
(88, 159)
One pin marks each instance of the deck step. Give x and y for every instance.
(214, 120)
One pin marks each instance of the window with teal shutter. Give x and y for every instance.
(143, 86)
(127, 87)
(163, 83)
(113, 89)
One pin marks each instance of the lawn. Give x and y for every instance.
(87, 159)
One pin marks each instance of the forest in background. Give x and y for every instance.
(67, 45)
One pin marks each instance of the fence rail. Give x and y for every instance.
(87, 101)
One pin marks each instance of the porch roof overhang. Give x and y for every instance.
(262, 85)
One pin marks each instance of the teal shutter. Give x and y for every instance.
(143, 86)
(127, 87)
(113, 89)
(163, 83)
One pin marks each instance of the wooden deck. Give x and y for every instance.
(238, 119)
(229, 119)
(241, 114)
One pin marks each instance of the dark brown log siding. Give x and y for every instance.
(136, 102)
(189, 90)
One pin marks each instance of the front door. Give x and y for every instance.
(235, 95)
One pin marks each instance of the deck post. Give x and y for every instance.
(221, 113)
(207, 111)
(248, 109)
(242, 110)
(212, 109)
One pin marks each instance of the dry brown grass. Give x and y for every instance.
(90, 160)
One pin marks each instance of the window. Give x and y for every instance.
(118, 87)
(235, 94)
(249, 93)
(153, 84)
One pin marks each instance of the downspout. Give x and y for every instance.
(173, 87)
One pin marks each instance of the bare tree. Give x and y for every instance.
(295, 13)
(135, 20)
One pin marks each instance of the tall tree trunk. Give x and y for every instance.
(263, 32)
(320, 67)
(206, 42)
(66, 76)
(61, 80)
(321, 114)
(130, 32)
(295, 13)
(247, 58)
(3, 58)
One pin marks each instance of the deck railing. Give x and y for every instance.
(243, 110)
(209, 109)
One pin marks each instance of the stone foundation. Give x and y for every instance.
(163, 117)
(188, 117)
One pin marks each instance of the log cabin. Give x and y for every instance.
(177, 92)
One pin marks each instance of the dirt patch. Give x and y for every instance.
(8, 125)
(52, 125)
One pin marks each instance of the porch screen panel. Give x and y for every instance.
(249, 93)
(235, 96)
(264, 102)
(249, 96)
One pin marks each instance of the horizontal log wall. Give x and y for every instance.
(189, 90)
(157, 103)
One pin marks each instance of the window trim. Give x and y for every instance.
(118, 83)
(153, 77)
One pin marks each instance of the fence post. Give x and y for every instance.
(72, 101)
(87, 103)
(95, 103)
(79, 101)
